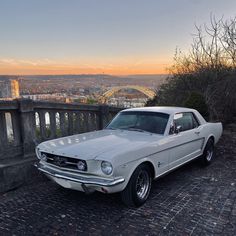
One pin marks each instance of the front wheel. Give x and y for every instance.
(138, 188)
(208, 152)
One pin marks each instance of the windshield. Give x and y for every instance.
(154, 122)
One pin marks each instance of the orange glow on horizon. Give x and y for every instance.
(121, 66)
(57, 69)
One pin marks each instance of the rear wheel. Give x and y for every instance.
(138, 188)
(208, 152)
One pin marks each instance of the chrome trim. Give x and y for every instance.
(178, 145)
(60, 168)
(78, 178)
(176, 167)
(166, 149)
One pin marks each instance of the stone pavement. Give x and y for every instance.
(189, 201)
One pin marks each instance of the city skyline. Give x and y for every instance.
(111, 37)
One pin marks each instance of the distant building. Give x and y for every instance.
(56, 97)
(9, 87)
(15, 89)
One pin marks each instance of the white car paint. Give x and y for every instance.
(125, 150)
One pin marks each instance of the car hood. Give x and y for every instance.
(98, 144)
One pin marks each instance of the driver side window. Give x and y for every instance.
(183, 121)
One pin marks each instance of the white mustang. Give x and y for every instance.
(139, 145)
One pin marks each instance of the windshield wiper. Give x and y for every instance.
(111, 128)
(130, 129)
(138, 130)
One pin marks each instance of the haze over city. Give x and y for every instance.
(91, 37)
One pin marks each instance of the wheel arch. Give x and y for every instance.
(212, 137)
(133, 167)
(150, 166)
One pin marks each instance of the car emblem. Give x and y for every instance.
(159, 164)
(60, 161)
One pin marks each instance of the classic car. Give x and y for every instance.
(136, 147)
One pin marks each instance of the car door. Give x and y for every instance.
(187, 142)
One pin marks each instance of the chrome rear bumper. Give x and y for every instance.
(76, 177)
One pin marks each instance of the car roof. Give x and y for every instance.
(162, 109)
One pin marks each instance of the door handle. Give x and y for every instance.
(197, 132)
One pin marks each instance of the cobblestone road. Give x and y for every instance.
(190, 201)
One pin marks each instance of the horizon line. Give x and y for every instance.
(121, 75)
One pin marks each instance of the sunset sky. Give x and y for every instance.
(99, 36)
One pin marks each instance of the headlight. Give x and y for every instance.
(81, 165)
(44, 157)
(106, 167)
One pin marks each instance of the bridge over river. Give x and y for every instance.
(146, 91)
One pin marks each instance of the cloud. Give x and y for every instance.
(26, 62)
(7, 61)
(23, 62)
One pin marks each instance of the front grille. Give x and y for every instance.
(61, 161)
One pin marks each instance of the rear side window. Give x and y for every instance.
(186, 120)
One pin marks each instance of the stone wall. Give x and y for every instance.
(25, 123)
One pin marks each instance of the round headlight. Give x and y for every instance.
(106, 167)
(44, 157)
(81, 165)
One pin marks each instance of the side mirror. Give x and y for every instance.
(178, 129)
(172, 129)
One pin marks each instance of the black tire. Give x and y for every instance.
(137, 190)
(208, 153)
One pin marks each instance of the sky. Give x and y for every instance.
(99, 36)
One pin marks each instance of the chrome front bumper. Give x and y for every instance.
(77, 177)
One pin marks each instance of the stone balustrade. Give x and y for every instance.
(25, 123)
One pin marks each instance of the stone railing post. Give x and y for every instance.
(27, 124)
(103, 114)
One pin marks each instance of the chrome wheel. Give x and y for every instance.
(209, 154)
(143, 184)
(139, 186)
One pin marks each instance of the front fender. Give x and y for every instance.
(126, 170)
